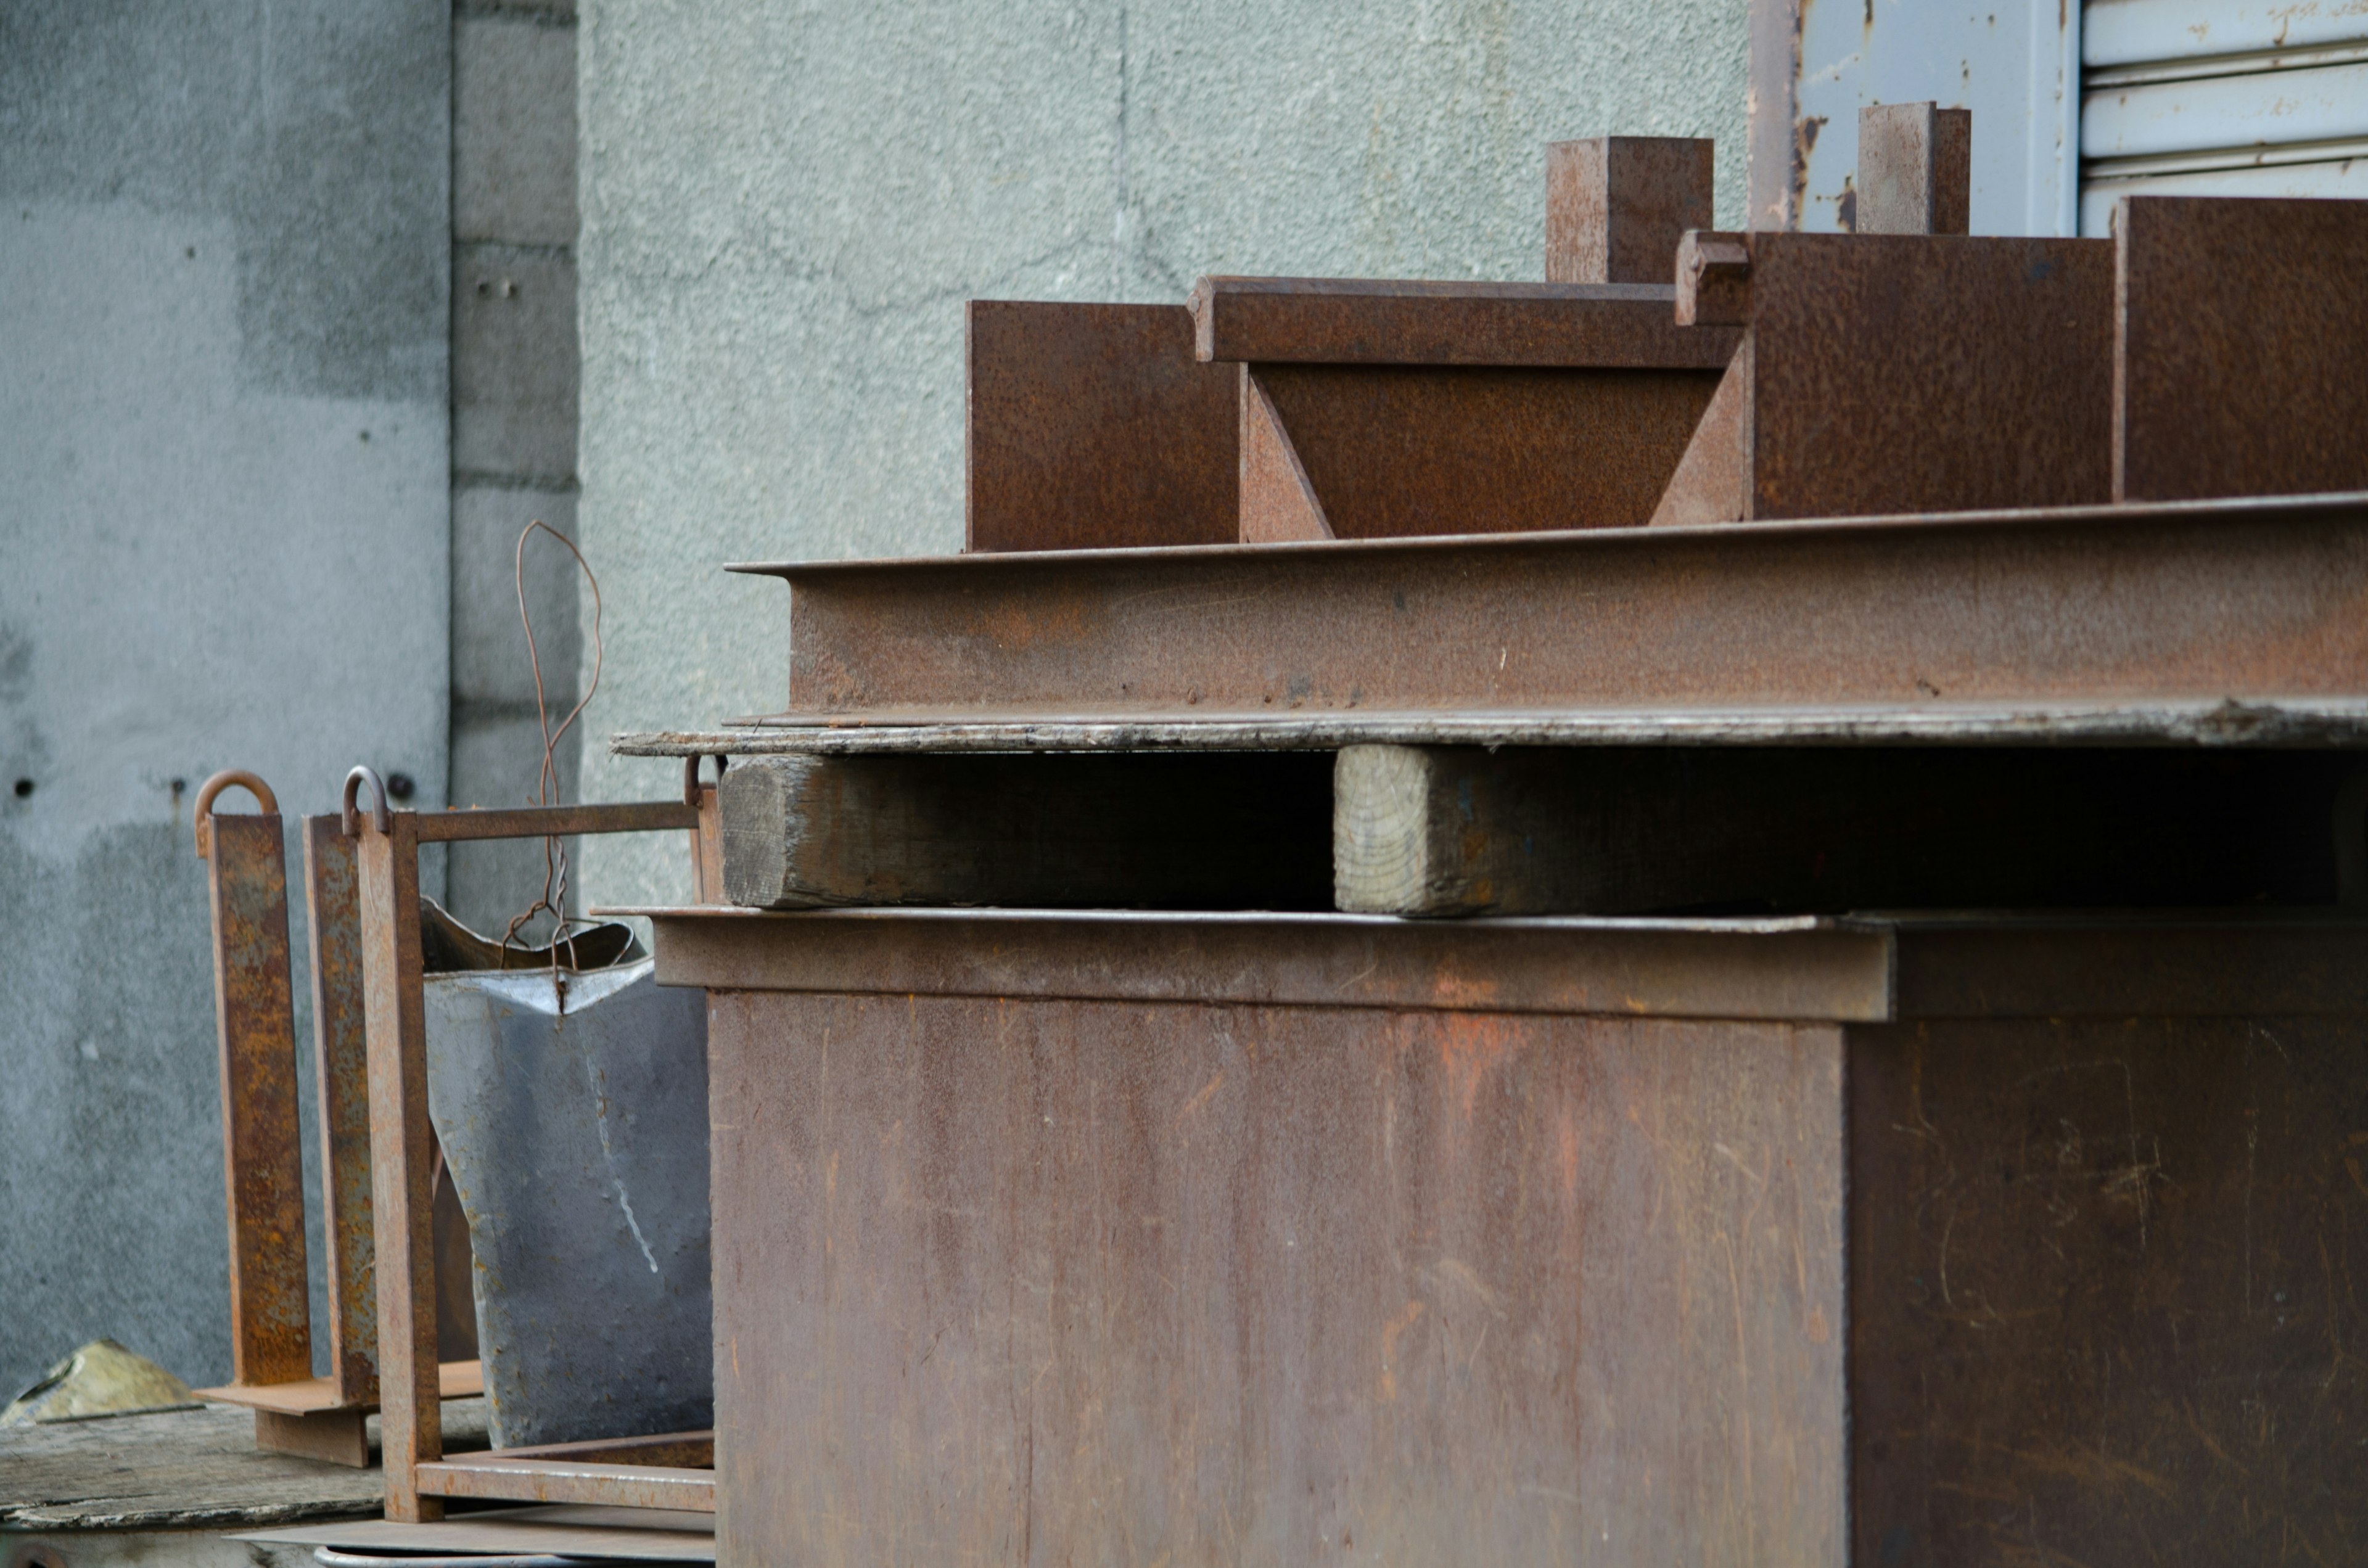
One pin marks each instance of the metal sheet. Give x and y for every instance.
(2100, 1300)
(553, 1481)
(2136, 30)
(2205, 603)
(632, 1534)
(1093, 426)
(341, 1076)
(1353, 320)
(246, 876)
(2241, 356)
(1005, 1280)
(573, 1112)
(1798, 969)
(2323, 104)
(1905, 373)
(1397, 451)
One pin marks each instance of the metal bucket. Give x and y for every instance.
(572, 1107)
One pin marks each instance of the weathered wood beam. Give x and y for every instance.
(1214, 830)
(1447, 831)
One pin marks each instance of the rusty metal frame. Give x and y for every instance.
(418, 1477)
(320, 1417)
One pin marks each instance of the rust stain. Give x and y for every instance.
(1468, 1047)
(1208, 1091)
(1391, 1332)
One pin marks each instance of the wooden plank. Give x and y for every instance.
(1446, 831)
(1092, 425)
(1617, 205)
(558, 1481)
(341, 1079)
(2240, 347)
(1216, 830)
(1361, 321)
(1419, 450)
(247, 877)
(1914, 170)
(1279, 507)
(411, 1430)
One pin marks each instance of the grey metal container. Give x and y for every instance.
(573, 1112)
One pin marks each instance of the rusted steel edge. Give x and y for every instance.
(1802, 970)
(539, 822)
(2233, 511)
(1370, 322)
(666, 1450)
(2308, 723)
(531, 1480)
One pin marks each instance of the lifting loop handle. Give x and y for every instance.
(378, 817)
(202, 815)
(690, 776)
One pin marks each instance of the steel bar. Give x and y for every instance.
(1349, 321)
(341, 1077)
(558, 1481)
(1091, 426)
(2240, 349)
(692, 1450)
(539, 822)
(410, 1420)
(2201, 603)
(1616, 206)
(247, 877)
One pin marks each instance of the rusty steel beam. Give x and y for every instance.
(247, 880)
(1717, 969)
(2212, 603)
(540, 821)
(1915, 169)
(2240, 347)
(673, 1450)
(1349, 321)
(558, 1481)
(1092, 425)
(1616, 206)
(341, 1077)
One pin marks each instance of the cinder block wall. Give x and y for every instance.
(514, 402)
(786, 205)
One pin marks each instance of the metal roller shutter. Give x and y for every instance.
(2221, 97)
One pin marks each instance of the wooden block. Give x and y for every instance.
(333, 1436)
(1278, 503)
(1447, 831)
(1616, 205)
(2240, 347)
(1091, 426)
(1213, 830)
(1914, 170)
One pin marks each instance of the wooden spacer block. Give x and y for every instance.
(1915, 169)
(1616, 205)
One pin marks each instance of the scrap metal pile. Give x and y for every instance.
(1869, 725)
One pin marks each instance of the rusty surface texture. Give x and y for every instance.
(2206, 601)
(1616, 205)
(675, 1451)
(1011, 1281)
(1713, 284)
(1093, 426)
(1774, 969)
(1915, 169)
(508, 1479)
(2240, 357)
(1407, 450)
(271, 1335)
(341, 1076)
(2101, 1297)
(1350, 321)
(1279, 506)
(1920, 374)
(402, 1162)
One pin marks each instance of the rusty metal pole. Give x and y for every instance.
(271, 1338)
(332, 892)
(410, 1417)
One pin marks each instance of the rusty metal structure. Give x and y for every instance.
(1874, 722)
(1832, 1031)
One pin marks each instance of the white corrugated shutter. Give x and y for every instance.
(2221, 97)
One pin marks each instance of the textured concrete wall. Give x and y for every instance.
(222, 543)
(514, 380)
(784, 207)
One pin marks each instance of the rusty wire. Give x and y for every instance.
(554, 897)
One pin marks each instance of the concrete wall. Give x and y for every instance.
(513, 382)
(223, 519)
(784, 207)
